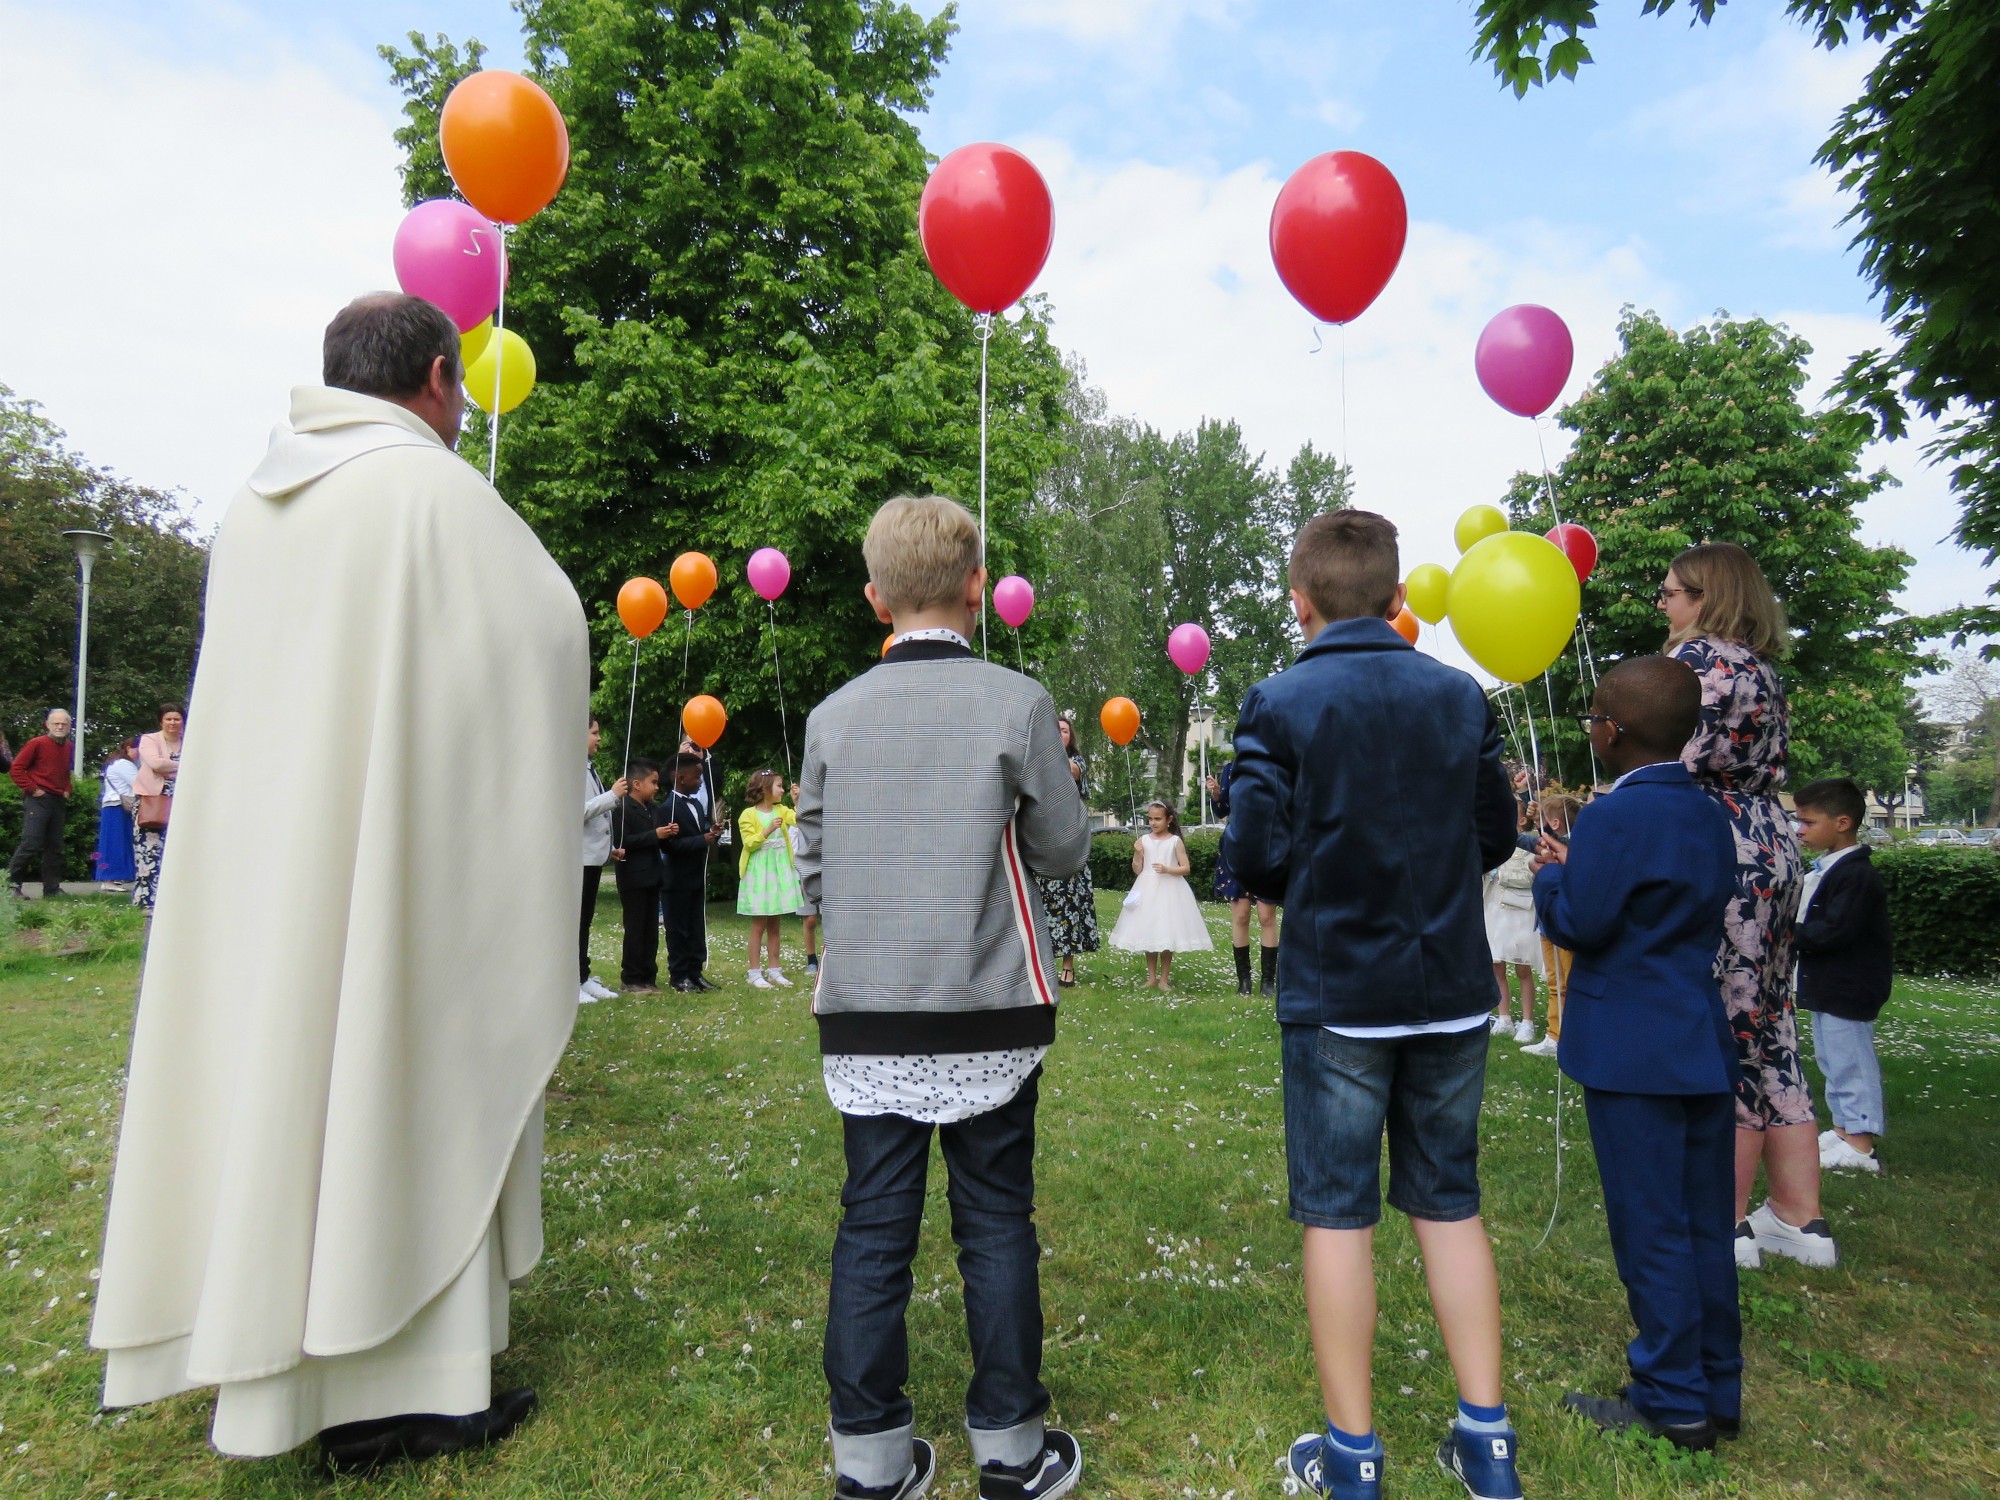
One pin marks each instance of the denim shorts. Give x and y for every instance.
(1340, 1091)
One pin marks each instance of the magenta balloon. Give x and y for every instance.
(450, 254)
(1524, 358)
(769, 572)
(1014, 600)
(1188, 646)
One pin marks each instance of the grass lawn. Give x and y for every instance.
(694, 1164)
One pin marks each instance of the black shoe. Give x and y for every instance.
(1618, 1414)
(686, 987)
(363, 1447)
(1729, 1429)
(923, 1469)
(1243, 985)
(704, 984)
(1055, 1472)
(1267, 963)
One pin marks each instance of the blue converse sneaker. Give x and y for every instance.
(1482, 1461)
(1325, 1469)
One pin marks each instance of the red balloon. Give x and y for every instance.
(987, 222)
(1337, 232)
(1578, 545)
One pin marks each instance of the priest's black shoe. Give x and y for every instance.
(1618, 1414)
(363, 1447)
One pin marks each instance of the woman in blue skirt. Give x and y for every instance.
(114, 861)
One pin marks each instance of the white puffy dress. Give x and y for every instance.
(1160, 914)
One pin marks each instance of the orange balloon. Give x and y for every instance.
(642, 605)
(693, 579)
(887, 642)
(505, 144)
(704, 720)
(1120, 718)
(1406, 626)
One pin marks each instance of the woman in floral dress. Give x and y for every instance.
(1724, 622)
(1071, 901)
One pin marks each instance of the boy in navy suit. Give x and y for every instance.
(1639, 895)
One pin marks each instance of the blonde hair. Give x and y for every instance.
(1736, 599)
(1561, 803)
(758, 788)
(920, 552)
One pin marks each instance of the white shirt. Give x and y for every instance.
(936, 1088)
(118, 779)
(1818, 873)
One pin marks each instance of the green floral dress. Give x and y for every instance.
(770, 886)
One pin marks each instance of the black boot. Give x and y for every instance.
(1243, 969)
(1268, 961)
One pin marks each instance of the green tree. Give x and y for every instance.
(145, 607)
(1921, 150)
(738, 340)
(1701, 437)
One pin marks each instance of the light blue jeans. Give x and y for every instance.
(1845, 1052)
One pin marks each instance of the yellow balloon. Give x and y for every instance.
(517, 372)
(1477, 524)
(1513, 603)
(1427, 586)
(472, 342)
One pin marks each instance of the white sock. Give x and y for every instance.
(756, 973)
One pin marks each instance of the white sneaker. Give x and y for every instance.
(777, 977)
(1525, 1033)
(1808, 1244)
(1502, 1025)
(584, 997)
(1748, 1256)
(758, 981)
(1546, 1047)
(1837, 1156)
(596, 990)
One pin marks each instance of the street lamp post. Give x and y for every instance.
(1909, 808)
(88, 545)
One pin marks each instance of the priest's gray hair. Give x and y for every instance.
(383, 345)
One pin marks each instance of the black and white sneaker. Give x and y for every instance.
(912, 1486)
(1054, 1473)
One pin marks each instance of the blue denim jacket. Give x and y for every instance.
(1369, 798)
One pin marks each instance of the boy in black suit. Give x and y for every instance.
(1846, 958)
(1639, 895)
(686, 836)
(637, 854)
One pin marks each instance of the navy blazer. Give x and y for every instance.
(1846, 947)
(1640, 903)
(1368, 798)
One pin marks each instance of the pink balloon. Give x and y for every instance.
(450, 254)
(1523, 359)
(769, 572)
(1014, 600)
(1188, 646)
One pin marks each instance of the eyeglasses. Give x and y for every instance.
(1665, 593)
(1586, 720)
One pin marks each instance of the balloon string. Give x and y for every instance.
(1555, 740)
(1131, 787)
(499, 360)
(1534, 744)
(984, 324)
(1548, 480)
(1556, 1205)
(1345, 461)
(631, 711)
(687, 648)
(784, 725)
(1018, 662)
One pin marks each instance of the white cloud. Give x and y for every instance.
(1102, 22)
(181, 233)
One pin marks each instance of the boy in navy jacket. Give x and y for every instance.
(1639, 895)
(1385, 984)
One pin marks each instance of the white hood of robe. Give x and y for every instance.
(363, 965)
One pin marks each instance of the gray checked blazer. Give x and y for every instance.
(933, 786)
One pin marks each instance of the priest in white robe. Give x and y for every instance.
(329, 1168)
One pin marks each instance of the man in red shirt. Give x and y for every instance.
(41, 771)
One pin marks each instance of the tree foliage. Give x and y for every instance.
(145, 608)
(738, 340)
(1921, 151)
(1701, 437)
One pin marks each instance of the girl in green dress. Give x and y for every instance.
(770, 886)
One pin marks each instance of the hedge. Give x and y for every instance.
(1111, 860)
(79, 829)
(1944, 904)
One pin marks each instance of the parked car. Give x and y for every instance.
(1938, 837)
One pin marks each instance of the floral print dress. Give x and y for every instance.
(1738, 756)
(1071, 900)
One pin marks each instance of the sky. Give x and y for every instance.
(196, 185)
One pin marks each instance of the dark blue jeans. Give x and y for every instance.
(990, 1163)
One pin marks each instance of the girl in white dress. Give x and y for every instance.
(1511, 935)
(1160, 917)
